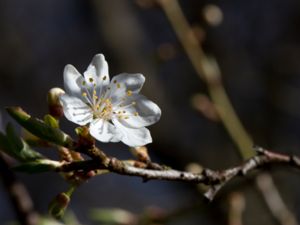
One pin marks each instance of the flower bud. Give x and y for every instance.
(55, 108)
(141, 153)
(58, 205)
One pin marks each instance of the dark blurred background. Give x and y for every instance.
(257, 45)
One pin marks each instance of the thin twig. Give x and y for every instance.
(215, 179)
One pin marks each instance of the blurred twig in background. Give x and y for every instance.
(273, 199)
(236, 208)
(208, 70)
(18, 195)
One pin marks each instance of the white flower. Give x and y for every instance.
(115, 111)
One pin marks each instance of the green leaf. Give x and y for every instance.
(17, 147)
(38, 166)
(40, 128)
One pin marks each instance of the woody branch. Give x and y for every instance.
(213, 178)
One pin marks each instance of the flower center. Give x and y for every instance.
(103, 109)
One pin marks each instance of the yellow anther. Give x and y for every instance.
(118, 85)
(126, 117)
(136, 113)
(129, 93)
(94, 92)
(84, 94)
(91, 79)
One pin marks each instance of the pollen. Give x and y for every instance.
(118, 85)
(129, 93)
(84, 94)
(104, 78)
(91, 80)
(136, 113)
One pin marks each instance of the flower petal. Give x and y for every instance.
(139, 112)
(100, 65)
(104, 131)
(72, 80)
(116, 92)
(76, 110)
(133, 137)
(97, 73)
(132, 82)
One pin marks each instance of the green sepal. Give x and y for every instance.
(40, 128)
(16, 147)
(51, 121)
(38, 166)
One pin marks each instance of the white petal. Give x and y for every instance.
(143, 113)
(116, 92)
(132, 82)
(103, 131)
(133, 137)
(76, 110)
(98, 71)
(72, 80)
(100, 65)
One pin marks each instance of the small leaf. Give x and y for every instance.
(39, 127)
(38, 166)
(17, 147)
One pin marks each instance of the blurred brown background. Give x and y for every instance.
(257, 45)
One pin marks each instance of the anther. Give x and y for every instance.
(129, 93)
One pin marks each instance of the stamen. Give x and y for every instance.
(104, 78)
(129, 93)
(91, 79)
(115, 81)
(84, 94)
(118, 85)
(83, 83)
(136, 113)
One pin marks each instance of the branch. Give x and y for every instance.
(215, 179)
